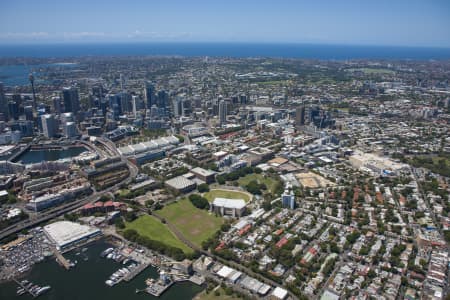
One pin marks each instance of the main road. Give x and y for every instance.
(62, 209)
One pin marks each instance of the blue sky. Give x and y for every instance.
(357, 22)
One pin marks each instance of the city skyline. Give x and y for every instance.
(403, 23)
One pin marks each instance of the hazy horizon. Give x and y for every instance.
(125, 42)
(411, 23)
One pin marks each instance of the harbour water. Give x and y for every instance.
(17, 75)
(37, 156)
(228, 49)
(87, 280)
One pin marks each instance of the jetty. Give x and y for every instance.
(136, 271)
(26, 288)
(61, 259)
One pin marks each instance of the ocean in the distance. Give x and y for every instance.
(307, 51)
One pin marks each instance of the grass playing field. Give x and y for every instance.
(269, 182)
(195, 224)
(211, 195)
(211, 296)
(153, 228)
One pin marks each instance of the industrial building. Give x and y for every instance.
(205, 175)
(181, 184)
(65, 234)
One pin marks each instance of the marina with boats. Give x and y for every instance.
(129, 262)
(134, 263)
(34, 290)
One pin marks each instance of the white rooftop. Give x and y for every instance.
(203, 172)
(225, 271)
(179, 182)
(327, 295)
(279, 293)
(65, 232)
(229, 203)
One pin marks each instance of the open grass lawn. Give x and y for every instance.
(153, 228)
(437, 164)
(211, 195)
(204, 296)
(269, 182)
(195, 224)
(123, 192)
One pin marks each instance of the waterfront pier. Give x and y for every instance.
(29, 291)
(61, 259)
(136, 272)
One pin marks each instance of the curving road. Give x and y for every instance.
(65, 208)
(230, 263)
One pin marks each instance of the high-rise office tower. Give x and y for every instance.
(13, 110)
(136, 104)
(3, 102)
(178, 106)
(149, 93)
(163, 99)
(314, 115)
(69, 129)
(222, 112)
(125, 102)
(300, 116)
(186, 107)
(66, 117)
(28, 111)
(154, 112)
(25, 127)
(71, 100)
(115, 104)
(48, 125)
(57, 107)
(243, 99)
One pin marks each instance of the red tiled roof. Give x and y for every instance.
(282, 242)
(245, 229)
(220, 247)
(88, 206)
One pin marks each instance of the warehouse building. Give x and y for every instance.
(181, 184)
(65, 234)
(205, 175)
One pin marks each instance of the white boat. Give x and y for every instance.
(42, 290)
(106, 252)
(20, 291)
(109, 282)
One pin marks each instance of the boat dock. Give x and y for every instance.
(135, 272)
(157, 289)
(61, 259)
(25, 288)
(198, 280)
